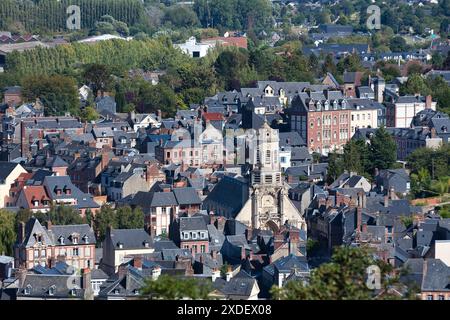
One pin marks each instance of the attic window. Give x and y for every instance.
(116, 291)
(120, 245)
(75, 239)
(146, 244)
(51, 290)
(86, 239)
(61, 240)
(73, 292)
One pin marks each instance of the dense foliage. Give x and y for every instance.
(122, 218)
(7, 232)
(363, 158)
(344, 278)
(176, 288)
(50, 15)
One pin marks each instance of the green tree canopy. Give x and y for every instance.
(176, 288)
(344, 278)
(58, 94)
(7, 232)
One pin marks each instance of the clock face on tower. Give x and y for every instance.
(268, 201)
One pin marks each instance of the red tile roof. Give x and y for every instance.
(240, 42)
(35, 193)
(213, 116)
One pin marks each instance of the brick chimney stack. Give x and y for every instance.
(428, 102)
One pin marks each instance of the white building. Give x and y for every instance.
(195, 49)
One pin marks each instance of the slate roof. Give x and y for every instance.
(186, 196)
(5, 170)
(291, 139)
(40, 284)
(154, 199)
(437, 276)
(66, 231)
(33, 228)
(192, 223)
(241, 284)
(230, 193)
(130, 238)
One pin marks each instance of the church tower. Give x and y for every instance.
(268, 206)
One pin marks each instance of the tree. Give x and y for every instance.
(180, 16)
(344, 278)
(129, 219)
(414, 68)
(89, 114)
(415, 85)
(335, 167)
(398, 44)
(103, 219)
(7, 232)
(58, 94)
(176, 288)
(329, 66)
(383, 150)
(63, 215)
(356, 156)
(98, 76)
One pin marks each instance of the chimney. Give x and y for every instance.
(386, 201)
(392, 195)
(87, 286)
(358, 218)
(105, 158)
(278, 241)
(21, 275)
(137, 263)
(364, 227)
(159, 113)
(49, 225)
(215, 274)
(428, 102)
(21, 232)
(243, 253)
(229, 274)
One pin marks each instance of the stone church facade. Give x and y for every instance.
(268, 206)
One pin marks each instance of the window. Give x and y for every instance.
(334, 121)
(441, 297)
(311, 124)
(36, 253)
(87, 252)
(194, 235)
(51, 290)
(430, 297)
(203, 248)
(75, 252)
(43, 253)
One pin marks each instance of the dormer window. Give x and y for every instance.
(185, 235)
(61, 240)
(194, 235)
(120, 245)
(51, 290)
(73, 292)
(344, 104)
(75, 240)
(318, 106)
(67, 190)
(116, 291)
(146, 244)
(86, 239)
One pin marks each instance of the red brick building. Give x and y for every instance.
(322, 119)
